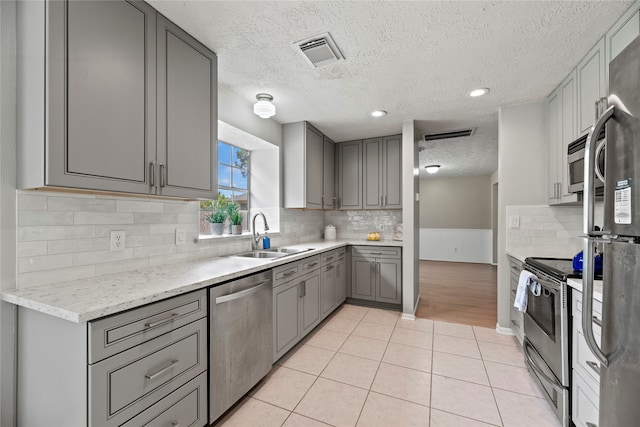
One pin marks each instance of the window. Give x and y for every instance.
(233, 176)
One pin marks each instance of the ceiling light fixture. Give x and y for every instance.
(432, 168)
(378, 113)
(478, 92)
(264, 108)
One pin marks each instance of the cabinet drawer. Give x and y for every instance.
(584, 360)
(285, 273)
(328, 257)
(341, 253)
(517, 321)
(377, 251)
(577, 313)
(114, 334)
(310, 264)
(515, 266)
(584, 403)
(129, 382)
(186, 407)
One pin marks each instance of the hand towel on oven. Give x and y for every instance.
(527, 280)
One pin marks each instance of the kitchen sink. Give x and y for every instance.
(271, 253)
(288, 251)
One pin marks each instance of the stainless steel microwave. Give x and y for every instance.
(575, 158)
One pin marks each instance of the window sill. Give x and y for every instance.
(243, 236)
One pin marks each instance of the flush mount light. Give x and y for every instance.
(264, 108)
(478, 92)
(432, 168)
(378, 113)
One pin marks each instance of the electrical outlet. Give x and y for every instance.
(514, 221)
(117, 240)
(381, 227)
(181, 238)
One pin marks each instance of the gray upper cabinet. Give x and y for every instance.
(308, 177)
(329, 198)
(98, 72)
(591, 85)
(372, 178)
(392, 171)
(350, 175)
(187, 114)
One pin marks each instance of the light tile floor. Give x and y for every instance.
(368, 367)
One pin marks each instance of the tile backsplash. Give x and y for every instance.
(547, 230)
(356, 224)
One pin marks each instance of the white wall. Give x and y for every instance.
(456, 245)
(522, 177)
(7, 208)
(410, 220)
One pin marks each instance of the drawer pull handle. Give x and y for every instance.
(597, 321)
(591, 424)
(288, 273)
(329, 258)
(174, 424)
(242, 294)
(594, 366)
(159, 322)
(313, 264)
(329, 268)
(515, 324)
(375, 253)
(153, 375)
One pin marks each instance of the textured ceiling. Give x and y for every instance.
(414, 59)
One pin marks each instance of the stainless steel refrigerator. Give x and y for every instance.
(620, 352)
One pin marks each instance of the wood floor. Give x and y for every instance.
(458, 292)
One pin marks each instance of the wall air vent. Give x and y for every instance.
(320, 50)
(448, 135)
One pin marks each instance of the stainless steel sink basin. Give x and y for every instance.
(288, 251)
(260, 254)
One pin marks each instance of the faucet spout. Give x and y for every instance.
(255, 241)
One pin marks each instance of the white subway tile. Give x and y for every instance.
(32, 248)
(98, 257)
(37, 278)
(144, 240)
(54, 232)
(181, 207)
(77, 245)
(102, 218)
(188, 218)
(31, 202)
(149, 251)
(175, 258)
(46, 262)
(171, 228)
(153, 218)
(44, 218)
(129, 229)
(139, 206)
(89, 204)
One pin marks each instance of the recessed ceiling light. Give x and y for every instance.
(378, 113)
(432, 168)
(478, 92)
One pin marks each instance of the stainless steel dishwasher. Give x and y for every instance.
(241, 339)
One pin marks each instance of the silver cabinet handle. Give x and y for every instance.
(153, 375)
(375, 253)
(152, 174)
(591, 424)
(162, 177)
(329, 268)
(162, 321)
(175, 424)
(304, 288)
(335, 202)
(322, 200)
(385, 201)
(329, 258)
(596, 320)
(288, 273)
(313, 264)
(514, 323)
(242, 294)
(594, 366)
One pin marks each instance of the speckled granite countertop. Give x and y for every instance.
(597, 287)
(87, 299)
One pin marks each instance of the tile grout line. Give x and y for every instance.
(489, 379)
(433, 345)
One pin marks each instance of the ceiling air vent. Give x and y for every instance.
(320, 50)
(448, 135)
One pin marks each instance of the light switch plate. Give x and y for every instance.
(181, 237)
(514, 221)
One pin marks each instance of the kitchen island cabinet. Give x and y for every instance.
(130, 101)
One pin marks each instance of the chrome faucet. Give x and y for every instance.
(255, 242)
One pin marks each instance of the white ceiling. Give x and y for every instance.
(414, 59)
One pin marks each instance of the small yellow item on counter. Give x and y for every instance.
(373, 235)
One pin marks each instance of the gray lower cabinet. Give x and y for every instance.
(146, 365)
(516, 317)
(376, 274)
(333, 280)
(341, 281)
(130, 100)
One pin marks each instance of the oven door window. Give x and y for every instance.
(576, 172)
(542, 310)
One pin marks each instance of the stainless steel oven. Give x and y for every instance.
(575, 160)
(546, 343)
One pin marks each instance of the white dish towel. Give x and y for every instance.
(526, 280)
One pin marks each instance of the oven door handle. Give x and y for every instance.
(530, 362)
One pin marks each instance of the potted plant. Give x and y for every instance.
(217, 219)
(236, 219)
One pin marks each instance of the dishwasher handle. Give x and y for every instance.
(241, 294)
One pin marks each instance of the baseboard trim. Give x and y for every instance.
(412, 316)
(503, 330)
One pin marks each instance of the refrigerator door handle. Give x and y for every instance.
(587, 301)
(589, 171)
(596, 168)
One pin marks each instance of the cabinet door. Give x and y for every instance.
(591, 85)
(314, 167)
(187, 114)
(329, 289)
(392, 172)
(310, 301)
(389, 281)
(101, 103)
(286, 318)
(350, 175)
(554, 118)
(363, 278)
(568, 134)
(341, 282)
(372, 173)
(621, 34)
(329, 183)
(585, 403)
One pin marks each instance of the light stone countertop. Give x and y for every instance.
(88, 299)
(597, 287)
